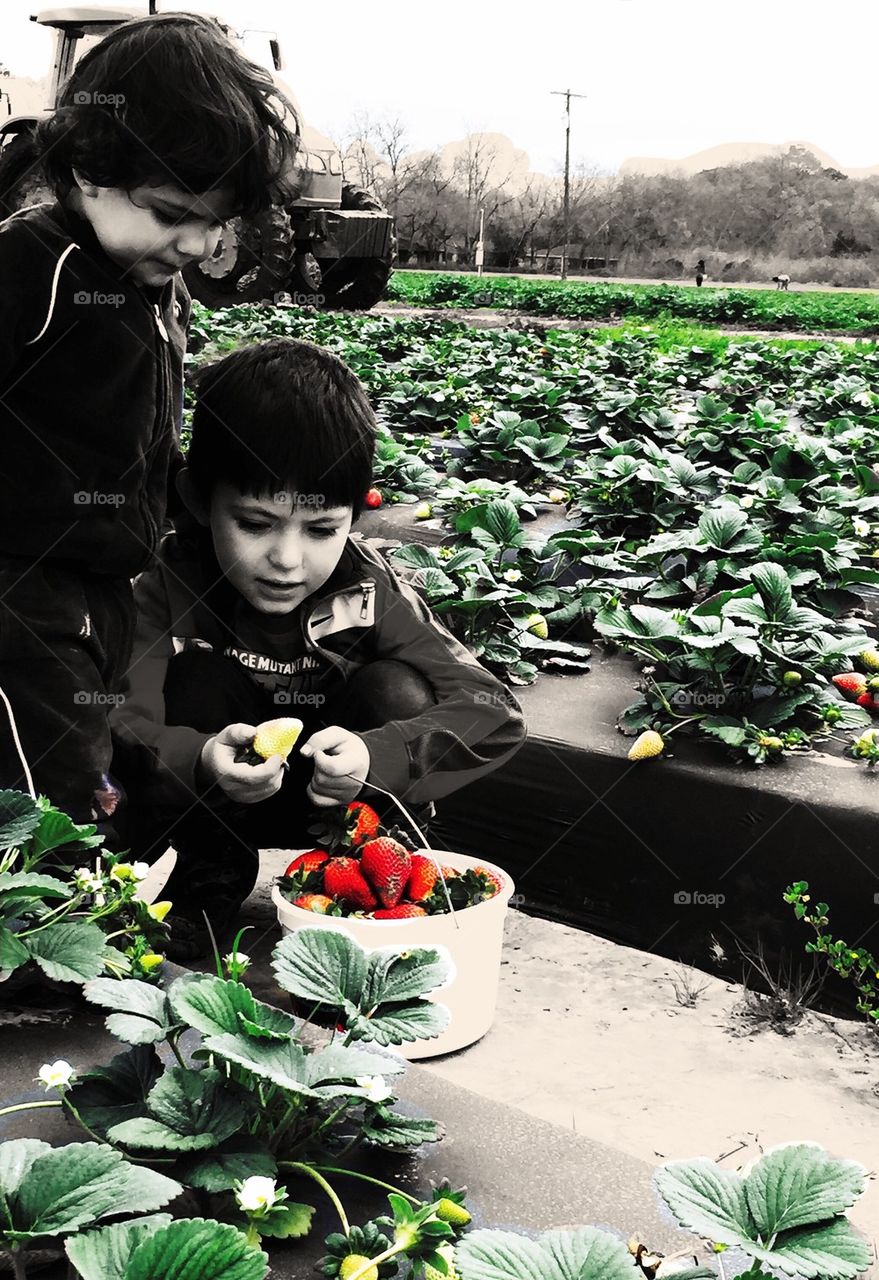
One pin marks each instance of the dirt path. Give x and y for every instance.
(495, 318)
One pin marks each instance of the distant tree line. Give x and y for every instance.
(783, 208)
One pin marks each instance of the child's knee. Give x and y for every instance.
(383, 691)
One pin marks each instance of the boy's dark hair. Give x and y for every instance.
(283, 416)
(169, 98)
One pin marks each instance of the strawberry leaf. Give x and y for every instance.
(196, 1247)
(104, 1254)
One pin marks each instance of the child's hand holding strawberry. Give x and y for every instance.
(337, 753)
(245, 783)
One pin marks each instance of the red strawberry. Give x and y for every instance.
(343, 879)
(386, 864)
(373, 498)
(363, 822)
(422, 877)
(851, 682)
(867, 700)
(491, 877)
(450, 872)
(317, 902)
(307, 862)
(402, 911)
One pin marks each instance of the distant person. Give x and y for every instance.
(782, 281)
(700, 272)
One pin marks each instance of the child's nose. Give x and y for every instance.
(287, 552)
(197, 242)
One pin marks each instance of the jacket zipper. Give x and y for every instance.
(366, 589)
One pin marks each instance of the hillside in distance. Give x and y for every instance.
(734, 153)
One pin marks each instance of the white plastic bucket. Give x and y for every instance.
(473, 938)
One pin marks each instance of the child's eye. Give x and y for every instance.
(166, 219)
(252, 526)
(324, 533)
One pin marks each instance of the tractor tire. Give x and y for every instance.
(251, 263)
(22, 182)
(356, 284)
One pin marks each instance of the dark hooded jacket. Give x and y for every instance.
(91, 396)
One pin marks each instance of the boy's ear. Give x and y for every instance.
(191, 498)
(87, 188)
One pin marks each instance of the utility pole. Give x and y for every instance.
(567, 95)
(480, 244)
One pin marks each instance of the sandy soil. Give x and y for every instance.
(590, 1035)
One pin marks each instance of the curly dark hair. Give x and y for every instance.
(169, 99)
(283, 415)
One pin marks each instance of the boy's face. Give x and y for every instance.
(276, 550)
(154, 231)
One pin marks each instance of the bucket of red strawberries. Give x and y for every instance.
(377, 885)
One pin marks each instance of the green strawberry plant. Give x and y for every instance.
(855, 964)
(252, 1097)
(70, 927)
(493, 593)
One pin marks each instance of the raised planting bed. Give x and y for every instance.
(673, 855)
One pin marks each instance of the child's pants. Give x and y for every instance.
(218, 847)
(65, 643)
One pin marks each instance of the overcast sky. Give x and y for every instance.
(662, 77)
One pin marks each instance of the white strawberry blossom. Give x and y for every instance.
(861, 528)
(256, 1194)
(56, 1075)
(375, 1087)
(512, 575)
(747, 501)
(86, 881)
(239, 959)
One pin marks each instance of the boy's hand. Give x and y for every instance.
(336, 752)
(244, 783)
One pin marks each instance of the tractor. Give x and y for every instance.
(324, 242)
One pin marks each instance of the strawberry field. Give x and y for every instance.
(854, 312)
(710, 510)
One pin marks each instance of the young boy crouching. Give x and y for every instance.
(268, 608)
